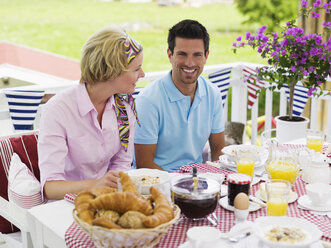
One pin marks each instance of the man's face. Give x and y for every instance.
(188, 60)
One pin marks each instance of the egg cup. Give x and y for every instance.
(240, 215)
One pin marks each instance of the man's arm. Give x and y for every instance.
(145, 156)
(216, 143)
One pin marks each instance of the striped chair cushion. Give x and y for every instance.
(26, 148)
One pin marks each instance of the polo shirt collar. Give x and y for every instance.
(175, 95)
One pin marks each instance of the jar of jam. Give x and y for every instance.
(237, 183)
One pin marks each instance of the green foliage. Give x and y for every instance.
(268, 12)
(62, 26)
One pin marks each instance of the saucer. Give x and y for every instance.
(224, 203)
(305, 202)
(293, 196)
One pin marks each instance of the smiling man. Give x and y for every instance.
(181, 111)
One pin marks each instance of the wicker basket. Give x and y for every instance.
(122, 238)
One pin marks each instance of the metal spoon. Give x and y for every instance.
(235, 239)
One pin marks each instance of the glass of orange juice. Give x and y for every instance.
(315, 140)
(278, 191)
(245, 162)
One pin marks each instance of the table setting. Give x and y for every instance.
(214, 180)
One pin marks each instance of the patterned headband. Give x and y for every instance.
(132, 48)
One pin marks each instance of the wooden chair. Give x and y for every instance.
(12, 217)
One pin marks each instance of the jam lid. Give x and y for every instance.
(238, 178)
(205, 187)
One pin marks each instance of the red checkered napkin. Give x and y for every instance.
(70, 197)
(75, 237)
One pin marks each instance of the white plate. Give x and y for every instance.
(293, 196)
(230, 151)
(305, 202)
(226, 161)
(263, 224)
(221, 243)
(224, 203)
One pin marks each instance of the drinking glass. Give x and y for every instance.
(277, 196)
(245, 162)
(315, 140)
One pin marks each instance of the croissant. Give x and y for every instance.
(122, 202)
(132, 219)
(102, 190)
(104, 222)
(162, 211)
(108, 214)
(84, 212)
(127, 184)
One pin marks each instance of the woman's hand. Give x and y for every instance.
(109, 179)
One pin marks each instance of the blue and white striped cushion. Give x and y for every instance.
(23, 106)
(300, 97)
(221, 79)
(136, 91)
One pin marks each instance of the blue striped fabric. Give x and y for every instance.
(136, 91)
(23, 106)
(221, 79)
(300, 97)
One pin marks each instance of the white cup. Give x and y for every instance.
(203, 236)
(319, 193)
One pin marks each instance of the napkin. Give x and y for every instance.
(23, 187)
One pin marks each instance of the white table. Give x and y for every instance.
(49, 222)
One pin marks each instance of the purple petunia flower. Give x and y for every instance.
(293, 68)
(262, 29)
(234, 44)
(304, 4)
(239, 38)
(311, 69)
(317, 3)
(248, 35)
(315, 15)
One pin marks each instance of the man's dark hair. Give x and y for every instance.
(188, 29)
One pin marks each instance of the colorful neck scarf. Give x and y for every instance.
(132, 48)
(122, 117)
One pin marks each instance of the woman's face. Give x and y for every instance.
(126, 82)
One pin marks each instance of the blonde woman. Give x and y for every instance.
(86, 132)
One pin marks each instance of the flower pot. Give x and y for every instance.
(287, 130)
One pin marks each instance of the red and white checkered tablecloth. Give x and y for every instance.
(76, 237)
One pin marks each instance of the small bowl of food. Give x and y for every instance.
(286, 232)
(145, 178)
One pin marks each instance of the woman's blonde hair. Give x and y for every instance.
(103, 55)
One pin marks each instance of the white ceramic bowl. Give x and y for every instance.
(260, 152)
(163, 185)
(264, 224)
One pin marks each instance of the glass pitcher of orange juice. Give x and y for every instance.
(282, 162)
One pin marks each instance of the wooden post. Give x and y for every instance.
(314, 25)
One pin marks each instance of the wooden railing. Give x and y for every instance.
(239, 108)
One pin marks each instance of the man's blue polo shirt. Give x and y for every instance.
(179, 129)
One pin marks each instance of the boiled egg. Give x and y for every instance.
(241, 201)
